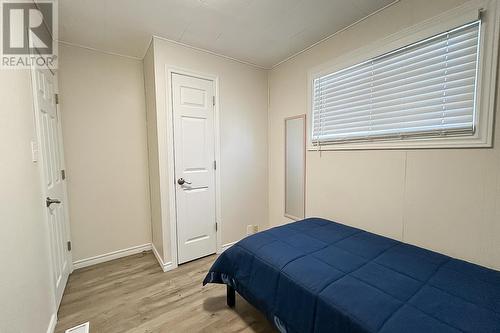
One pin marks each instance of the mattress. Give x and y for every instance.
(320, 276)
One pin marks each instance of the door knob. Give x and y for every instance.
(182, 181)
(50, 201)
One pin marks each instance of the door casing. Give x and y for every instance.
(170, 172)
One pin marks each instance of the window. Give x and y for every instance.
(424, 90)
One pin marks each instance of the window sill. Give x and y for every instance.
(422, 143)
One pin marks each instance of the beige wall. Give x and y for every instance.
(104, 133)
(154, 171)
(243, 134)
(27, 302)
(447, 200)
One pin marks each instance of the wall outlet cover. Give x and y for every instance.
(34, 151)
(249, 229)
(252, 229)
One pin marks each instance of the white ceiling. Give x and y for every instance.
(261, 32)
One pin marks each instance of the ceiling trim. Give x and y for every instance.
(98, 50)
(334, 34)
(209, 52)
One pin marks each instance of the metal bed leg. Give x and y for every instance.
(231, 297)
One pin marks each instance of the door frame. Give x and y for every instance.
(171, 158)
(43, 181)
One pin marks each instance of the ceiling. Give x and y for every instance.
(260, 32)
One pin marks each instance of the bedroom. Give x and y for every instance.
(165, 136)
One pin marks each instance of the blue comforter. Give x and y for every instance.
(320, 276)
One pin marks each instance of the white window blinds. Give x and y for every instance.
(424, 89)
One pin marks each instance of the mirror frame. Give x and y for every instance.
(304, 145)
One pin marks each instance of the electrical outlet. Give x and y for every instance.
(252, 229)
(34, 151)
(249, 229)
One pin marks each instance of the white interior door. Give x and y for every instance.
(194, 145)
(51, 158)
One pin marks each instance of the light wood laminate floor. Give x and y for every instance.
(133, 295)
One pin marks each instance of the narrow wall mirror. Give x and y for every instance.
(295, 167)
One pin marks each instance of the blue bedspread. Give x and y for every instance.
(319, 276)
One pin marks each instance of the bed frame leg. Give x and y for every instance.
(231, 297)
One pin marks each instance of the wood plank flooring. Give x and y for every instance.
(133, 295)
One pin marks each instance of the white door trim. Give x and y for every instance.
(170, 176)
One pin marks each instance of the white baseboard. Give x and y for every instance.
(111, 256)
(227, 246)
(52, 323)
(168, 266)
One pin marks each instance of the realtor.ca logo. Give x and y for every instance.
(29, 32)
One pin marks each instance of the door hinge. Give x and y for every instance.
(69, 245)
(63, 174)
(215, 165)
(213, 100)
(216, 226)
(57, 98)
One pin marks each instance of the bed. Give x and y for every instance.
(316, 275)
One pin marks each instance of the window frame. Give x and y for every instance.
(486, 78)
